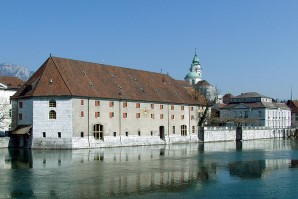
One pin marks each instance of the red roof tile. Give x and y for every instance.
(66, 77)
(11, 82)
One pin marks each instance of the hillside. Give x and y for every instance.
(7, 69)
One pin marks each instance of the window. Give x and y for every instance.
(260, 113)
(44, 134)
(172, 107)
(124, 115)
(115, 134)
(10, 113)
(98, 131)
(151, 133)
(173, 129)
(193, 129)
(152, 106)
(126, 133)
(183, 130)
(20, 116)
(138, 115)
(111, 104)
(20, 104)
(124, 104)
(182, 117)
(138, 105)
(191, 108)
(172, 117)
(82, 113)
(182, 108)
(52, 114)
(161, 107)
(192, 117)
(59, 134)
(82, 102)
(82, 134)
(111, 114)
(161, 116)
(97, 114)
(52, 103)
(152, 116)
(97, 103)
(139, 133)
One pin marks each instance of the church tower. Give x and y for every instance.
(195, 71)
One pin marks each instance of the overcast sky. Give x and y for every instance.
(243, 45)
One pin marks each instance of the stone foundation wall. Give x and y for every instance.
(208, 134)
(215, 134)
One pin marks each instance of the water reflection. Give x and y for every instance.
(130, 171)
(247, 169)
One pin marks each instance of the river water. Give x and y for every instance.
(249, 169)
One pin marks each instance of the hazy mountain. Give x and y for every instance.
(21, 72)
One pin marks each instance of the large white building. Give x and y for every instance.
(259, 109)
(76, 104)
(8, 87)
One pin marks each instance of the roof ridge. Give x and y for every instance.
(109, 65)
(61, 75)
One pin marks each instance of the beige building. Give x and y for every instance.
(76, 104)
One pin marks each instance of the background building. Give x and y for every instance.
(255, 110)
(293, 105)
(8, 87)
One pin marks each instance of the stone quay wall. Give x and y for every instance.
(206, 134)
(217, 134)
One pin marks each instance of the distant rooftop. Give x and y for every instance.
(11, 82)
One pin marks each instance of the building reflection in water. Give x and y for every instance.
(131, 170)
(247, 169)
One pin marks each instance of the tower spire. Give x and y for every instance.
(291, 92)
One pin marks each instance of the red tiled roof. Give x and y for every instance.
(11, 82)
(184, 83)
(203, 83)
(66, 77)
(293, 105)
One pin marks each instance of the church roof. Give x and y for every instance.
(11, 82)
(195, 59)
(192, 75)
(67, 77)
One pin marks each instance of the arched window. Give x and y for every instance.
(52, 103)
(52, 114)
(183, 130)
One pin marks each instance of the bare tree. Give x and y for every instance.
(211, 100)
(4, 113)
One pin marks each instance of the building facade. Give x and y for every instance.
(8, 87)
(293, 105)
(75, 104)
(256, 110)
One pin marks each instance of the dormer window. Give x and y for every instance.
(52, 103)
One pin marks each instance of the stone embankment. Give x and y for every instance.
(215, 134)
